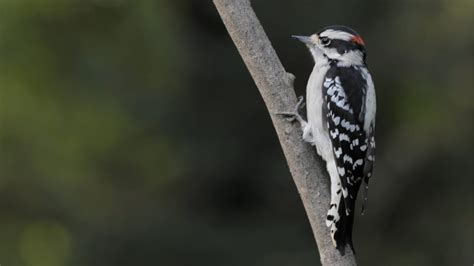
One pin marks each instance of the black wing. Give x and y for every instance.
(344, 91)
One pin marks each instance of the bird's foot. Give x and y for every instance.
(295, 115)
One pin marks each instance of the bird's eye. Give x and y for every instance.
(325, 41)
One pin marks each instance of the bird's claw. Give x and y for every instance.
(300, 104)
(294, 115)
(290, 116)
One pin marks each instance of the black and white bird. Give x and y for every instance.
(340, 100)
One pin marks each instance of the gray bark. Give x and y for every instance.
(276, 87)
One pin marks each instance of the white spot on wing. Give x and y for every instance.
(355, 142)
(347, 158)
(343, 137)
(348, 126)
(357, 162)
(337, 93)
(341, 171)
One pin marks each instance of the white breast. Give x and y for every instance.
(314, 104)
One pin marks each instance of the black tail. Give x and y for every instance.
(343, 235)
(366, 195)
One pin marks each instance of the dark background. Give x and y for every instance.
(132, 134)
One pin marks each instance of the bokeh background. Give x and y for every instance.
(132, 134)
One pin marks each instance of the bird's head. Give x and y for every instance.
(339, 43)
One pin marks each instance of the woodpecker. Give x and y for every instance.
(340, 106)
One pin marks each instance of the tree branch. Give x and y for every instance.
(276, 87)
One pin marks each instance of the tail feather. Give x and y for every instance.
(366, 196)
(343, 232)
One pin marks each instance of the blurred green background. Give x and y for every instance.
(132, 134)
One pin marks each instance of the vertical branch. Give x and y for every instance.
(276, 87)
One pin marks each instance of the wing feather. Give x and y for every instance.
(344, 91)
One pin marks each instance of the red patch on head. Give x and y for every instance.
(358, 40)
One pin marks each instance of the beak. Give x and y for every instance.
(303, 39)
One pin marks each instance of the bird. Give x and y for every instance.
(340, 110)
